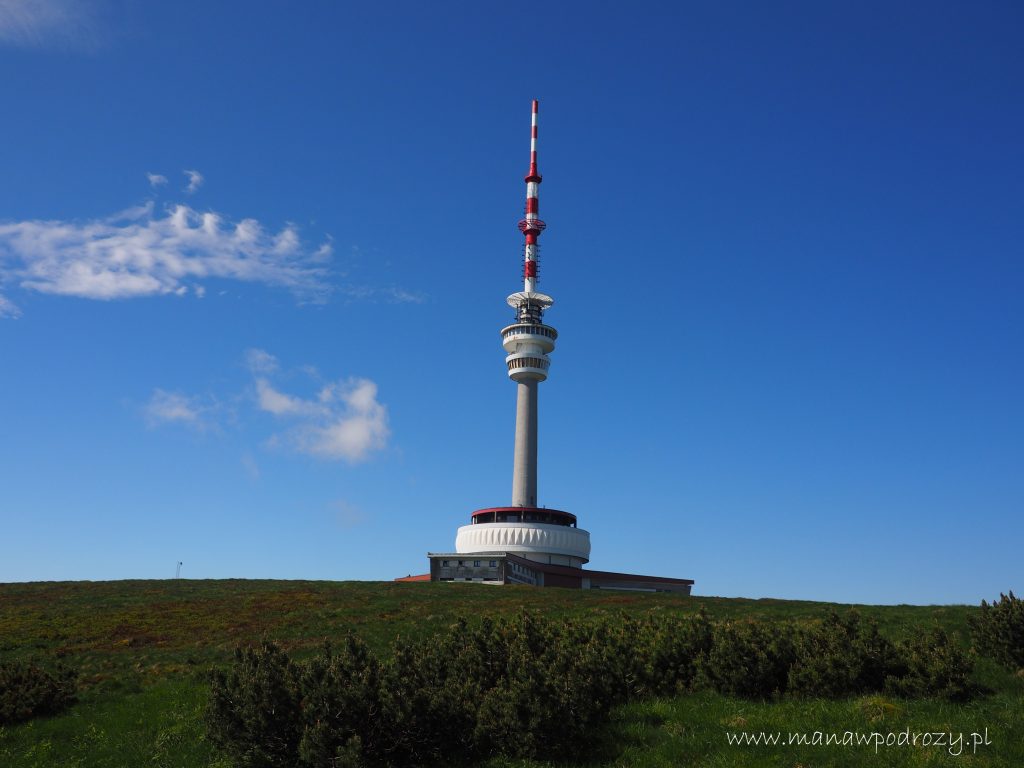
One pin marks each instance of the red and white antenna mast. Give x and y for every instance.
(532, 226)
(529, 304)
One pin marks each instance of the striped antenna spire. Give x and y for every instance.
(531, 226)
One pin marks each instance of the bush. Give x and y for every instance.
(535, 688)
(843, 656)
(341, 718)
(999, 630)
(749, 659)
(432, 689)
(932, 666)
(523, 687)
(254, 710)
(666, 653)
(559, 683)
(29, 690)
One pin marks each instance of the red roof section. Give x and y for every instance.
(420, 577)
(524, 510)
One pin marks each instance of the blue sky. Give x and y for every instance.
(253, 263)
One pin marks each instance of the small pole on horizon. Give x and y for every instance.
(177, 571)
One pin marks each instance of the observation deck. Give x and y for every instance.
(537, 334)
(528, 344)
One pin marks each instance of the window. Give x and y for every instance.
(444, 563)
(461, 563)
(476, 563)
(494, 563)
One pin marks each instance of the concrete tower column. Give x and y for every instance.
(524, 466)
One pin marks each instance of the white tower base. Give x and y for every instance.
(552, 544)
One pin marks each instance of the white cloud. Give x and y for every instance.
(346, 515)
(156, 180)
(8, 308)
(140, 253)
(401, 296)
(389, 295)
(339, 421)
(280, 404)
(195, 181)
(260, 361)
(173, 407)
(344, 421)
(251, 467)
(355, 424)
(48, 22)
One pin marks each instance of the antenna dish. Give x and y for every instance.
(529, 299)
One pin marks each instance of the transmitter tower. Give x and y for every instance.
(524, 543)
(532, 532)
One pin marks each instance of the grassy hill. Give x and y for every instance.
(143, 648)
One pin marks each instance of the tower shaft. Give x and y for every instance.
(524, 466)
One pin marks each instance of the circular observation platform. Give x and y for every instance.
(541, 336)
(543, 535)
(526, 366)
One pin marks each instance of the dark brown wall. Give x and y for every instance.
(558, 580)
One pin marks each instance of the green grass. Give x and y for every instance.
(143, 648)
(159, 725)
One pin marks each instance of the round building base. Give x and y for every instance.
(536, 533)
